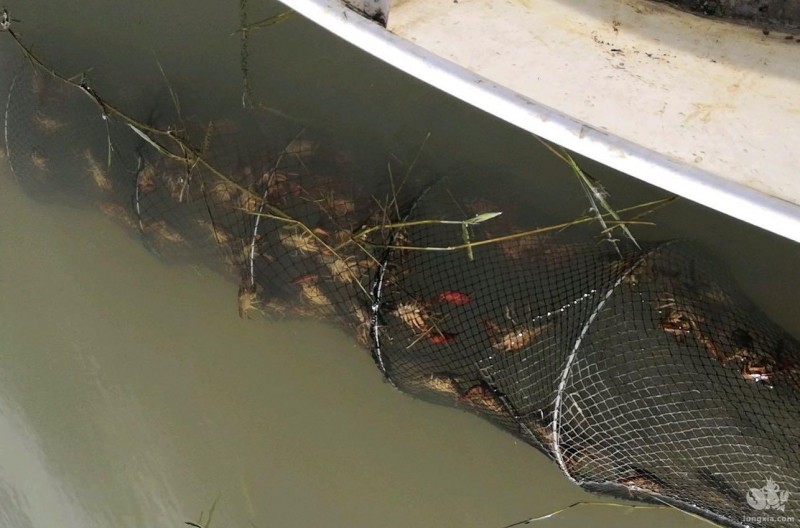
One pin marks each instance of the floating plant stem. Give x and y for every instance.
(596, 194)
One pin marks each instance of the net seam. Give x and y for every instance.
(568, 367)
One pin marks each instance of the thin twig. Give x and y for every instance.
(576, 504)
(595, 193)
(266, 22)
(396, 193)
(244, 54)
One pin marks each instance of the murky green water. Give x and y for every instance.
(131, 394)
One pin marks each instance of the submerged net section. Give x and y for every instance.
(645, 375)
(641, 372)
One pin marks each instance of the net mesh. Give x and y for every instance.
(642, 372)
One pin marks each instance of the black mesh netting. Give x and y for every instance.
(641, 372)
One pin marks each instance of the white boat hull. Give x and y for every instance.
(707, 110)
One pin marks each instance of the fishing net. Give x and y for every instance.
(641, 371)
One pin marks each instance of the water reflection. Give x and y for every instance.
(135, 396)
(29, 483)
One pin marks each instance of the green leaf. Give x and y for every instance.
(477, 219)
